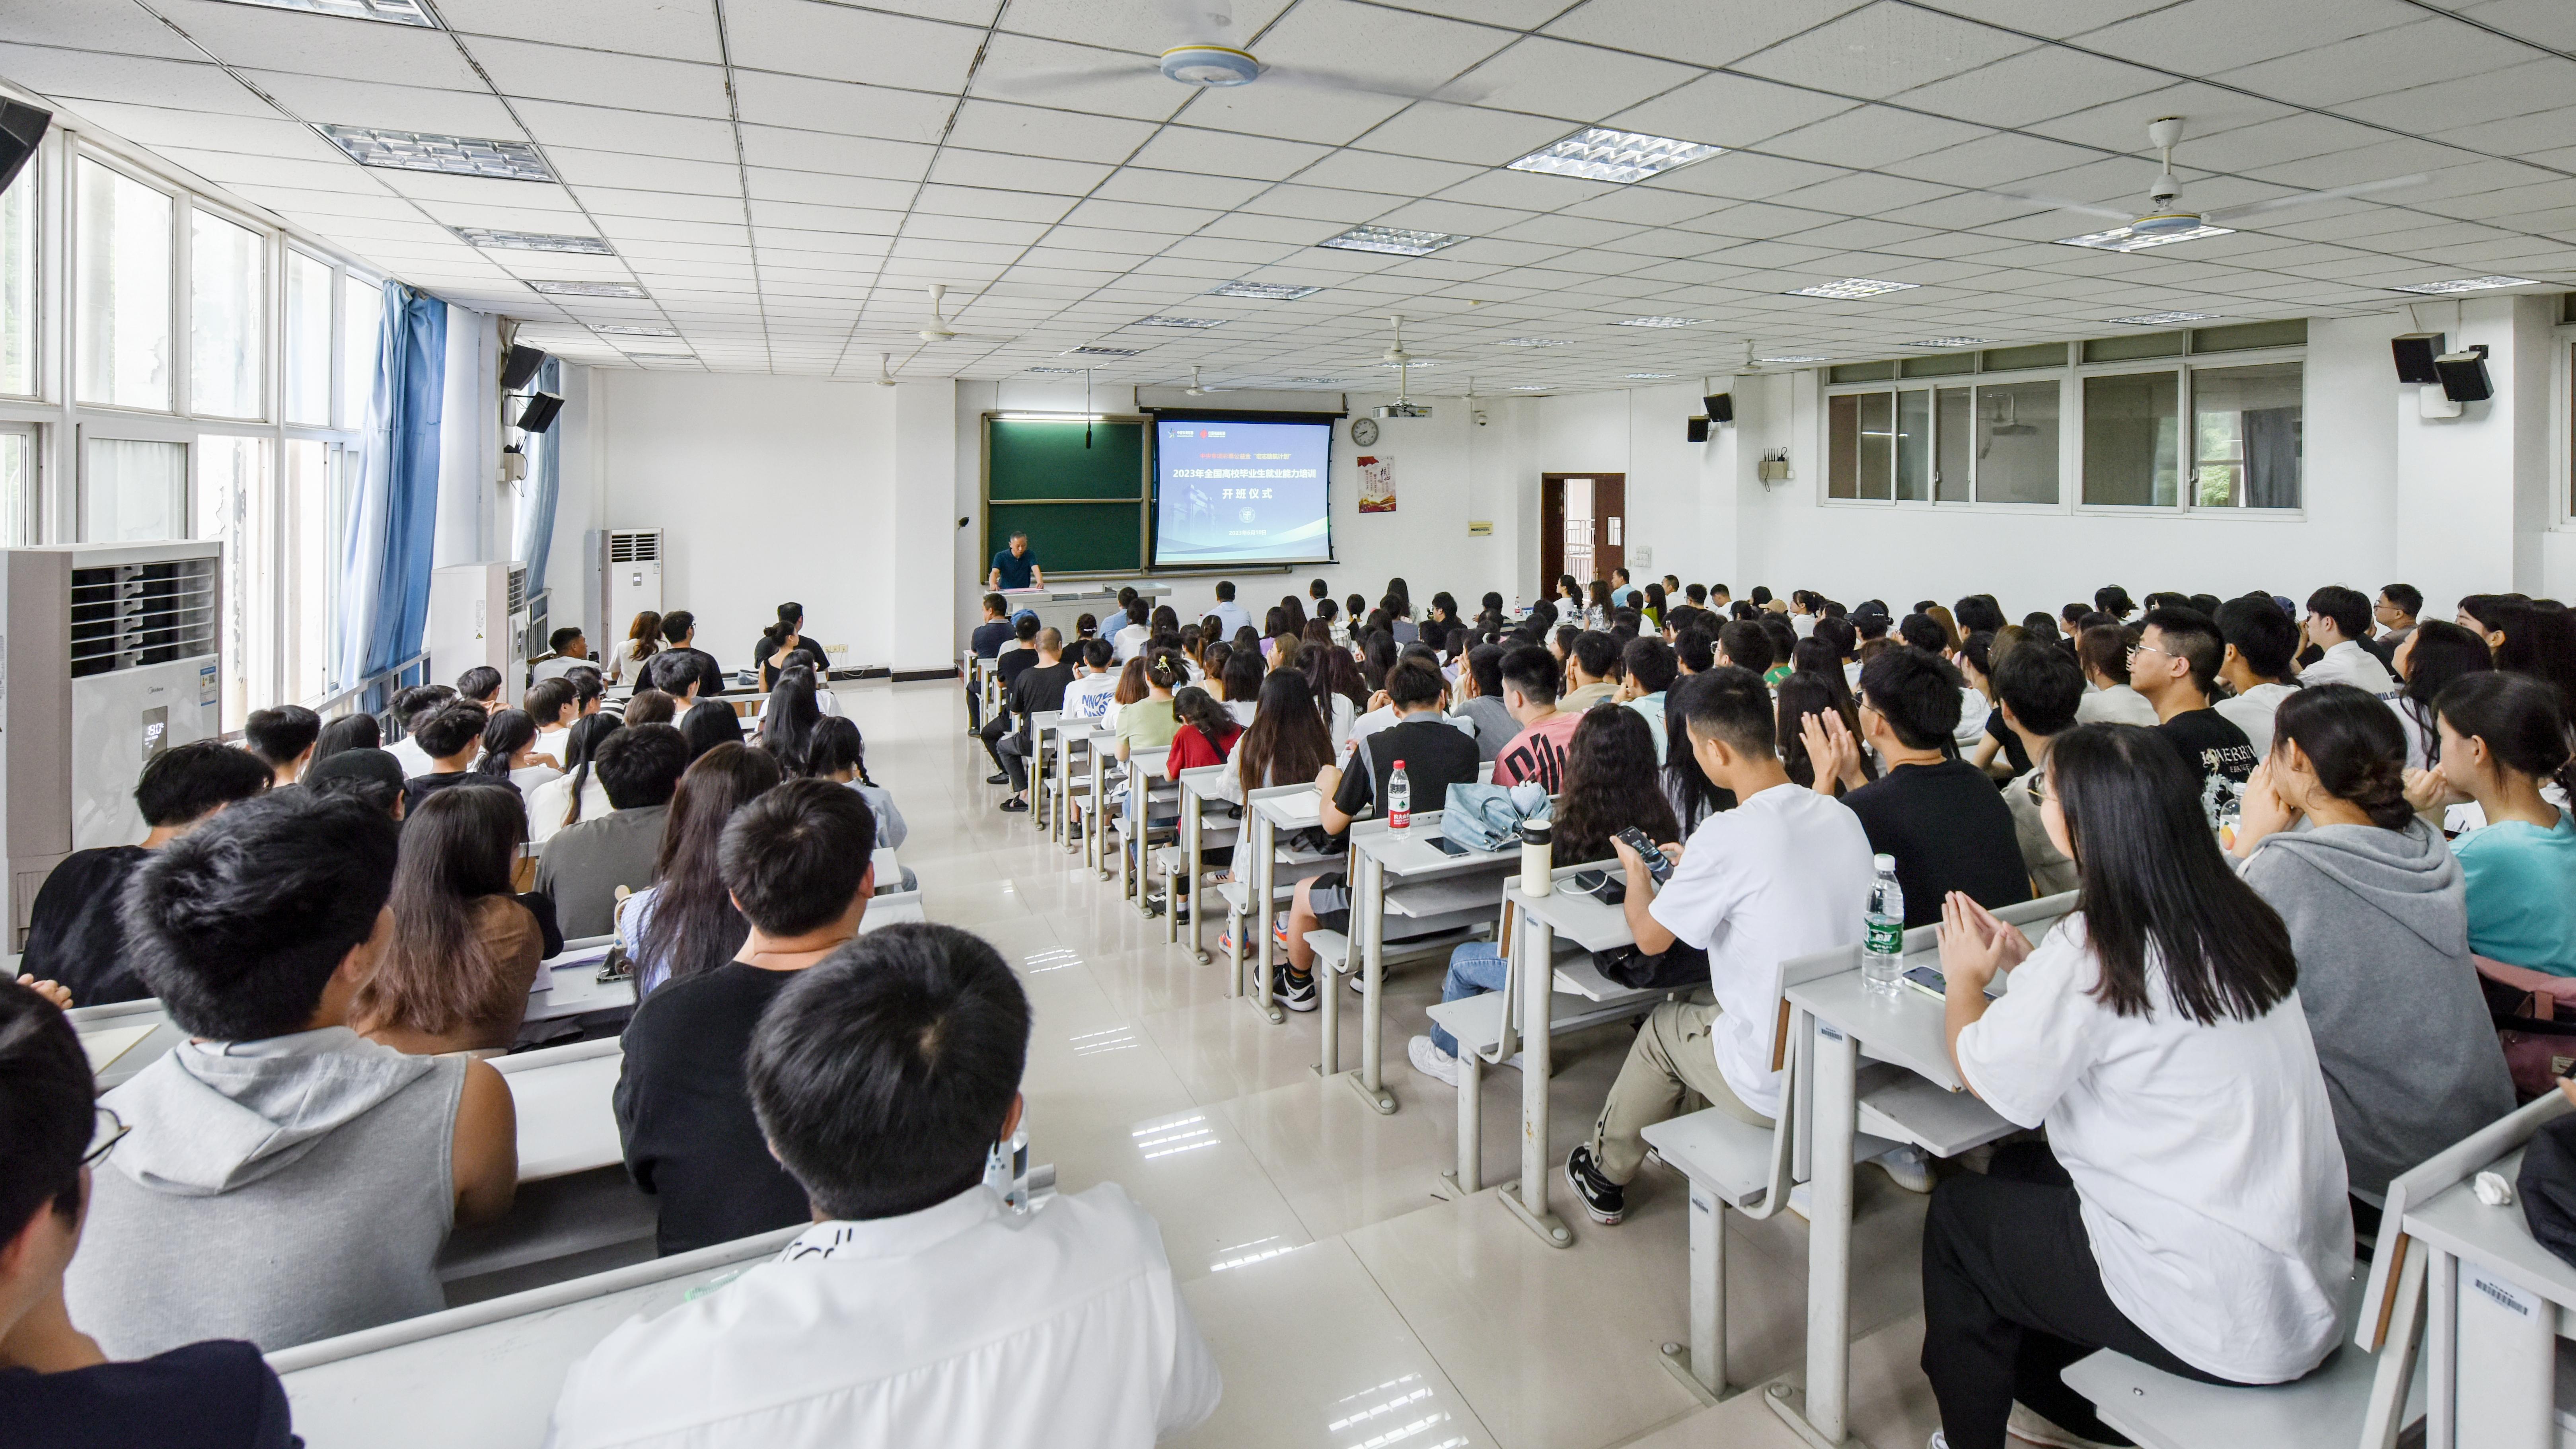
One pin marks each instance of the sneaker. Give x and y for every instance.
(1295, 992)
(1225, 942)
(1359, 981)
(1939, 1440)
(997, 779)
(1605, 1200)
(1431, 1061)
(1908, 1167)
(2033, 1428)
(1279, 935)
(1015, 805)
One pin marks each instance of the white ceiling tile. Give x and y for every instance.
(602, 78)
(155, 126)
(998, 205)
(2543, 22)
(840, 107)
(2032, 86)
(1527, 190)
(961, 167)
(1881, 50)
(478, 190)
(1694, 31)
(767, 184)
(231, 168)
(1036, 72)
(1222, 153)
(1730, 110)
(797, 150)
(1744, 175)
(582, 168)
(2546, 84)
(2204, 37)
(2056, 18)
(1138, 183)
(1292, 110)
(1140, 216)
(839, 42)
(678, 29)
(607, 201)
(2397, 58)
(82, 75)
(2121, 125)
(110, 29)
(248, 35)
(1573, 82)
(297, 203)
(639, 133)
(1466, 134)
(1031, 130)
(1871, 137)
(330, 100)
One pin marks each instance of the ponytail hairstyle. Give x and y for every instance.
(581, 746)
(2518, 717)
(1164, 669)
(504, 735)
(2355, 745)
(1200, 710)
(2155, 892)
(791, 617)
(838, 746)
(1211, 627)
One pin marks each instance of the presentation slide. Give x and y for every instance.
(1241, 492)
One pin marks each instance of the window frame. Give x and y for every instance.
(1933, 387)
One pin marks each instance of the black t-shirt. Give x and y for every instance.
(807, 651)
(711, 676)
(421, 787)
(684, 1111)
(1949, 830)
(1436, 755)
(2015, 754)
(74, 934)
(1038, 689)
(2211, 744)
(1011, 663)
(989, 637)
(214, 1395)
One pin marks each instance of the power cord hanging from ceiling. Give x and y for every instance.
(1086, 407)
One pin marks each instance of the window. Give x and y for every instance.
(234, 505)
(2016, 454)
(316, 511)
(226, 337)
(124, 290)
(1991, 443)
(362, 316)
(1863, 430)
(17, 485)
(18, 334)
(308, 340)
(2246, 427)
(2132, 423)
(1914, 444)
(132, 491)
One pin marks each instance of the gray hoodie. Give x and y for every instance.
(2379, 921)
(281, 1191)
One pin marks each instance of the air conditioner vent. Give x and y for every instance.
(125, 616)
(518, 591)
(643, 545)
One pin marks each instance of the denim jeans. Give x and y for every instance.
(1474, 968)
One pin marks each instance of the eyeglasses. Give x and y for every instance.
(106, 1131)
(2137, 649)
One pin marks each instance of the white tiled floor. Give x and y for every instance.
(1349, 1306)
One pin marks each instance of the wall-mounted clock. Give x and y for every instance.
(1364, 432)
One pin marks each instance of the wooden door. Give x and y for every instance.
(1583, 526)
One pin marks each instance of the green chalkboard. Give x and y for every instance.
(1083, 508)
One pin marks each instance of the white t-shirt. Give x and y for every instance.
(2252, 712)
(1384, 717)
(1127, 641)
(2117, 705)
(1091, 697)
(1784, 874)
(2205, 1158)
(1974, 707)
(408, 753)
(2349, 663)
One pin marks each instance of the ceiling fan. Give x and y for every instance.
(2166, 219)
(1198, 388)
(1403, 363)
(1206, 57)
(885, 369)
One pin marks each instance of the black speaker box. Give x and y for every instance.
(21, 127)
(2415, 353)
(1699, 430)
(539, 414)
(1721, 407)
(2464, 376)
(520, 367)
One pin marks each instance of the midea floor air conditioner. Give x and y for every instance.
(478, 614)
(111, 656)
(624, 567)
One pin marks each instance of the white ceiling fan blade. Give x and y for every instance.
(2308, 198)
(1058, 82)
(2059, 203)
(1306, 77)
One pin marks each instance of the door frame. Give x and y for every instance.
(1610, 489)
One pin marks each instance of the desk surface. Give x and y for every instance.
(2454, 1221)
(1903, 1026)
(1573, 915)
(1294, 810)
(569, 985)
(1411, 854)
(567, 1120)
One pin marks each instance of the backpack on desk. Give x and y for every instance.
(2547, 1187)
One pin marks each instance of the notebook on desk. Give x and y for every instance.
(106, 1045)
(1306, 809)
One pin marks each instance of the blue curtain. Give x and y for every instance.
(545, 479)
(396, 517)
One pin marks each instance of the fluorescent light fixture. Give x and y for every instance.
(396, 12)
(1416, 364)
(448, 155)
(1532, 386)
(1264, 291)
(1949, 342)
(1535, 342)
(1796, 357)
(1646, 376)
(1050, 418)
(1100, 352)
(1395, 240)
(2165, 319)
(589, 289)
(2465, 284)
(1852, 288)
(1599, 154)
(635, 331)
(1658, 322)
(1065, 371)
(1180, 321)
(2130, 239)
(532, 241)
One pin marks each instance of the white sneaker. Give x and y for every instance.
(1359, 981)
(1431, 1061)
(2034, 1428)
(1938, 1440)
(1908, 1167)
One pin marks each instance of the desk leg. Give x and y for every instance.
(1371, 1081)
(1828, 1394)
(1193, 830)
(2395, 1374)
(1095, 820)
(1702, 1369)
(1536, 945)
(2442, 1352)
(1328, 985)
(1265, 881)
(1063, 801)
(1469, 1177)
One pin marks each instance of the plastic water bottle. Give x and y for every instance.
(1882, 948)
(1399, 800)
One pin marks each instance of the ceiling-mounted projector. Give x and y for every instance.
(1403, 410)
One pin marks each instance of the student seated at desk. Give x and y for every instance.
(1786, 873)
(368, 776)
(1592, 665)
(348, 732)
(584, 864)
(576, 795)
(284, 738)
(1203, 733)
(680, 629)
(510, 752)
(57, 1388)
(645, 706)
(918, 1309)
(643, 641)
(1479, 699)
(455, 975)
(1537, 753)
(709, 723)
(2188, 1208)
(1145, 723)
(2175, 669)
(2036, 691)
(408, 709)
(2103, 651)
(1435, 755)
(796, 861)
(841, 756)
(2380, 925)
(1611, 784)
(451, 736)
(75, 933)
(549, 704)
(1094, 690)
(677, 676)
(285, 1179)
(685, 923)
(2504, 737)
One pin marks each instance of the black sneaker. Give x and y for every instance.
(1295, 991)
(1015, 804)
(1605, 1200)
(997, 779)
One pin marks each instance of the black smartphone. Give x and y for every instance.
(1657, 865)
(1450, 847)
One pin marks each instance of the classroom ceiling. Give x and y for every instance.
(783, 180)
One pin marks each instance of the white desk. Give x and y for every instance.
(1595, 927)
(109, 1032)
(1378, 853)
(892, 909)
(1069, 732)
(486, 1374)
(1057, 607)
(569, 984)
(2500, 1302)
(567, 1123)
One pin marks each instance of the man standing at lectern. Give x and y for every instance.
(1016, 567)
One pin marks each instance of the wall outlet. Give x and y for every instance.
(1641, 556)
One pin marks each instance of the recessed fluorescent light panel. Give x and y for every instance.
(1599, 154)
(532, 241)
(1796, 357)
(1851, 288)
(1065, 371)
(397, 12)
(1948, 342)
(1536, 342)
(449, 155)
(1180, 321)
(1658, 322)
(2165, 319)
(1395, 240)
(2465, 284)
(1646, 376)
(635, 331)
(588, 289)
(2130, 239)
(1416, 364)
(1101, 351)
(1264, 291)
(1532, 386)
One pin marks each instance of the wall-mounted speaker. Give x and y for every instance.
(1721, 407)
(539, 414)
(21, 127)
(520, 367)
(1699, 430)
(2415, 353)
(2464, 375)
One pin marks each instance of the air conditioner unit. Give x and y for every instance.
(625, 580)
(111, 656)
(478, 614)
